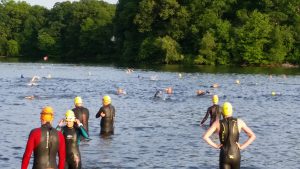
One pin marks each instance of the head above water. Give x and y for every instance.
(47, 114)
(77, 101)
(227, 109)
(106, 100)
(215, 99)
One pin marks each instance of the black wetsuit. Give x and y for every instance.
(215, 114)
(45, 142)
(107, 122)
(230, 153)
(82, 114)
(72, 140)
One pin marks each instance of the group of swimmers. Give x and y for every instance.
(46, 142)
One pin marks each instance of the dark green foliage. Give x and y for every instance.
(210, 32)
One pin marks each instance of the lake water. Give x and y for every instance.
(152, 133)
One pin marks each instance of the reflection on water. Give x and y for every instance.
(154, 132)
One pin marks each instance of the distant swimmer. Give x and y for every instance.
(213, 111)
(169, 90)
(158, 94)
(229, 129)
(202, 92)
(107, 114)
(129, 70)
(29, 97)
(154, 77)
(215, 85)
(33, 81)
(35, 78)
(120, 91)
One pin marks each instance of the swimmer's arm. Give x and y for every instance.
(251, 136)
(83, 131)
(209, 132)
(205, 117)
(28, 151)
(61, 151)
(99, 112)
(60, 124)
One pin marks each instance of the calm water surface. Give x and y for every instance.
(152, 133)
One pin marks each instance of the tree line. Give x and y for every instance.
(206, 32)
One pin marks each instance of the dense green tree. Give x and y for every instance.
(218, 32)
(12, 48)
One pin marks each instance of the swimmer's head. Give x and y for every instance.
(169, 90)
(70, 116)
(77, 101)
(227, 109)
(215, 99)
(120, 91)
(106, 100)
(47, 114)
(200, 92)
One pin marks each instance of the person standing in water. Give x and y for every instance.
(107, 114)
(72, 135)
(229, 129)
(46, 142)
(214, 111)
(81, 113)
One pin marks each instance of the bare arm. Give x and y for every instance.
(251, 136)
(209, 132)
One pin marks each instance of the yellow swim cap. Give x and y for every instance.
(47, 114)
(227, 109)
(106, 100)
(215, 99)
(77, 100)
(70, 116)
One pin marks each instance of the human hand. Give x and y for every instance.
(102, 114)
(77, 121)
(61, 122)
(239, 146)
(219, 146)
(76, 159)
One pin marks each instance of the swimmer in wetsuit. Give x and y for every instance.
(214, 111)
(229, 129)
(81, 113)
(72, 135)
(46, 142)
(107, 114)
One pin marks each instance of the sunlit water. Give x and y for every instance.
(152, 133)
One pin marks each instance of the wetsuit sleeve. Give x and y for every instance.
(205, 117)
(31, 144)
(98, 114)
(83, 132)
(114, 112)
(61, 151)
